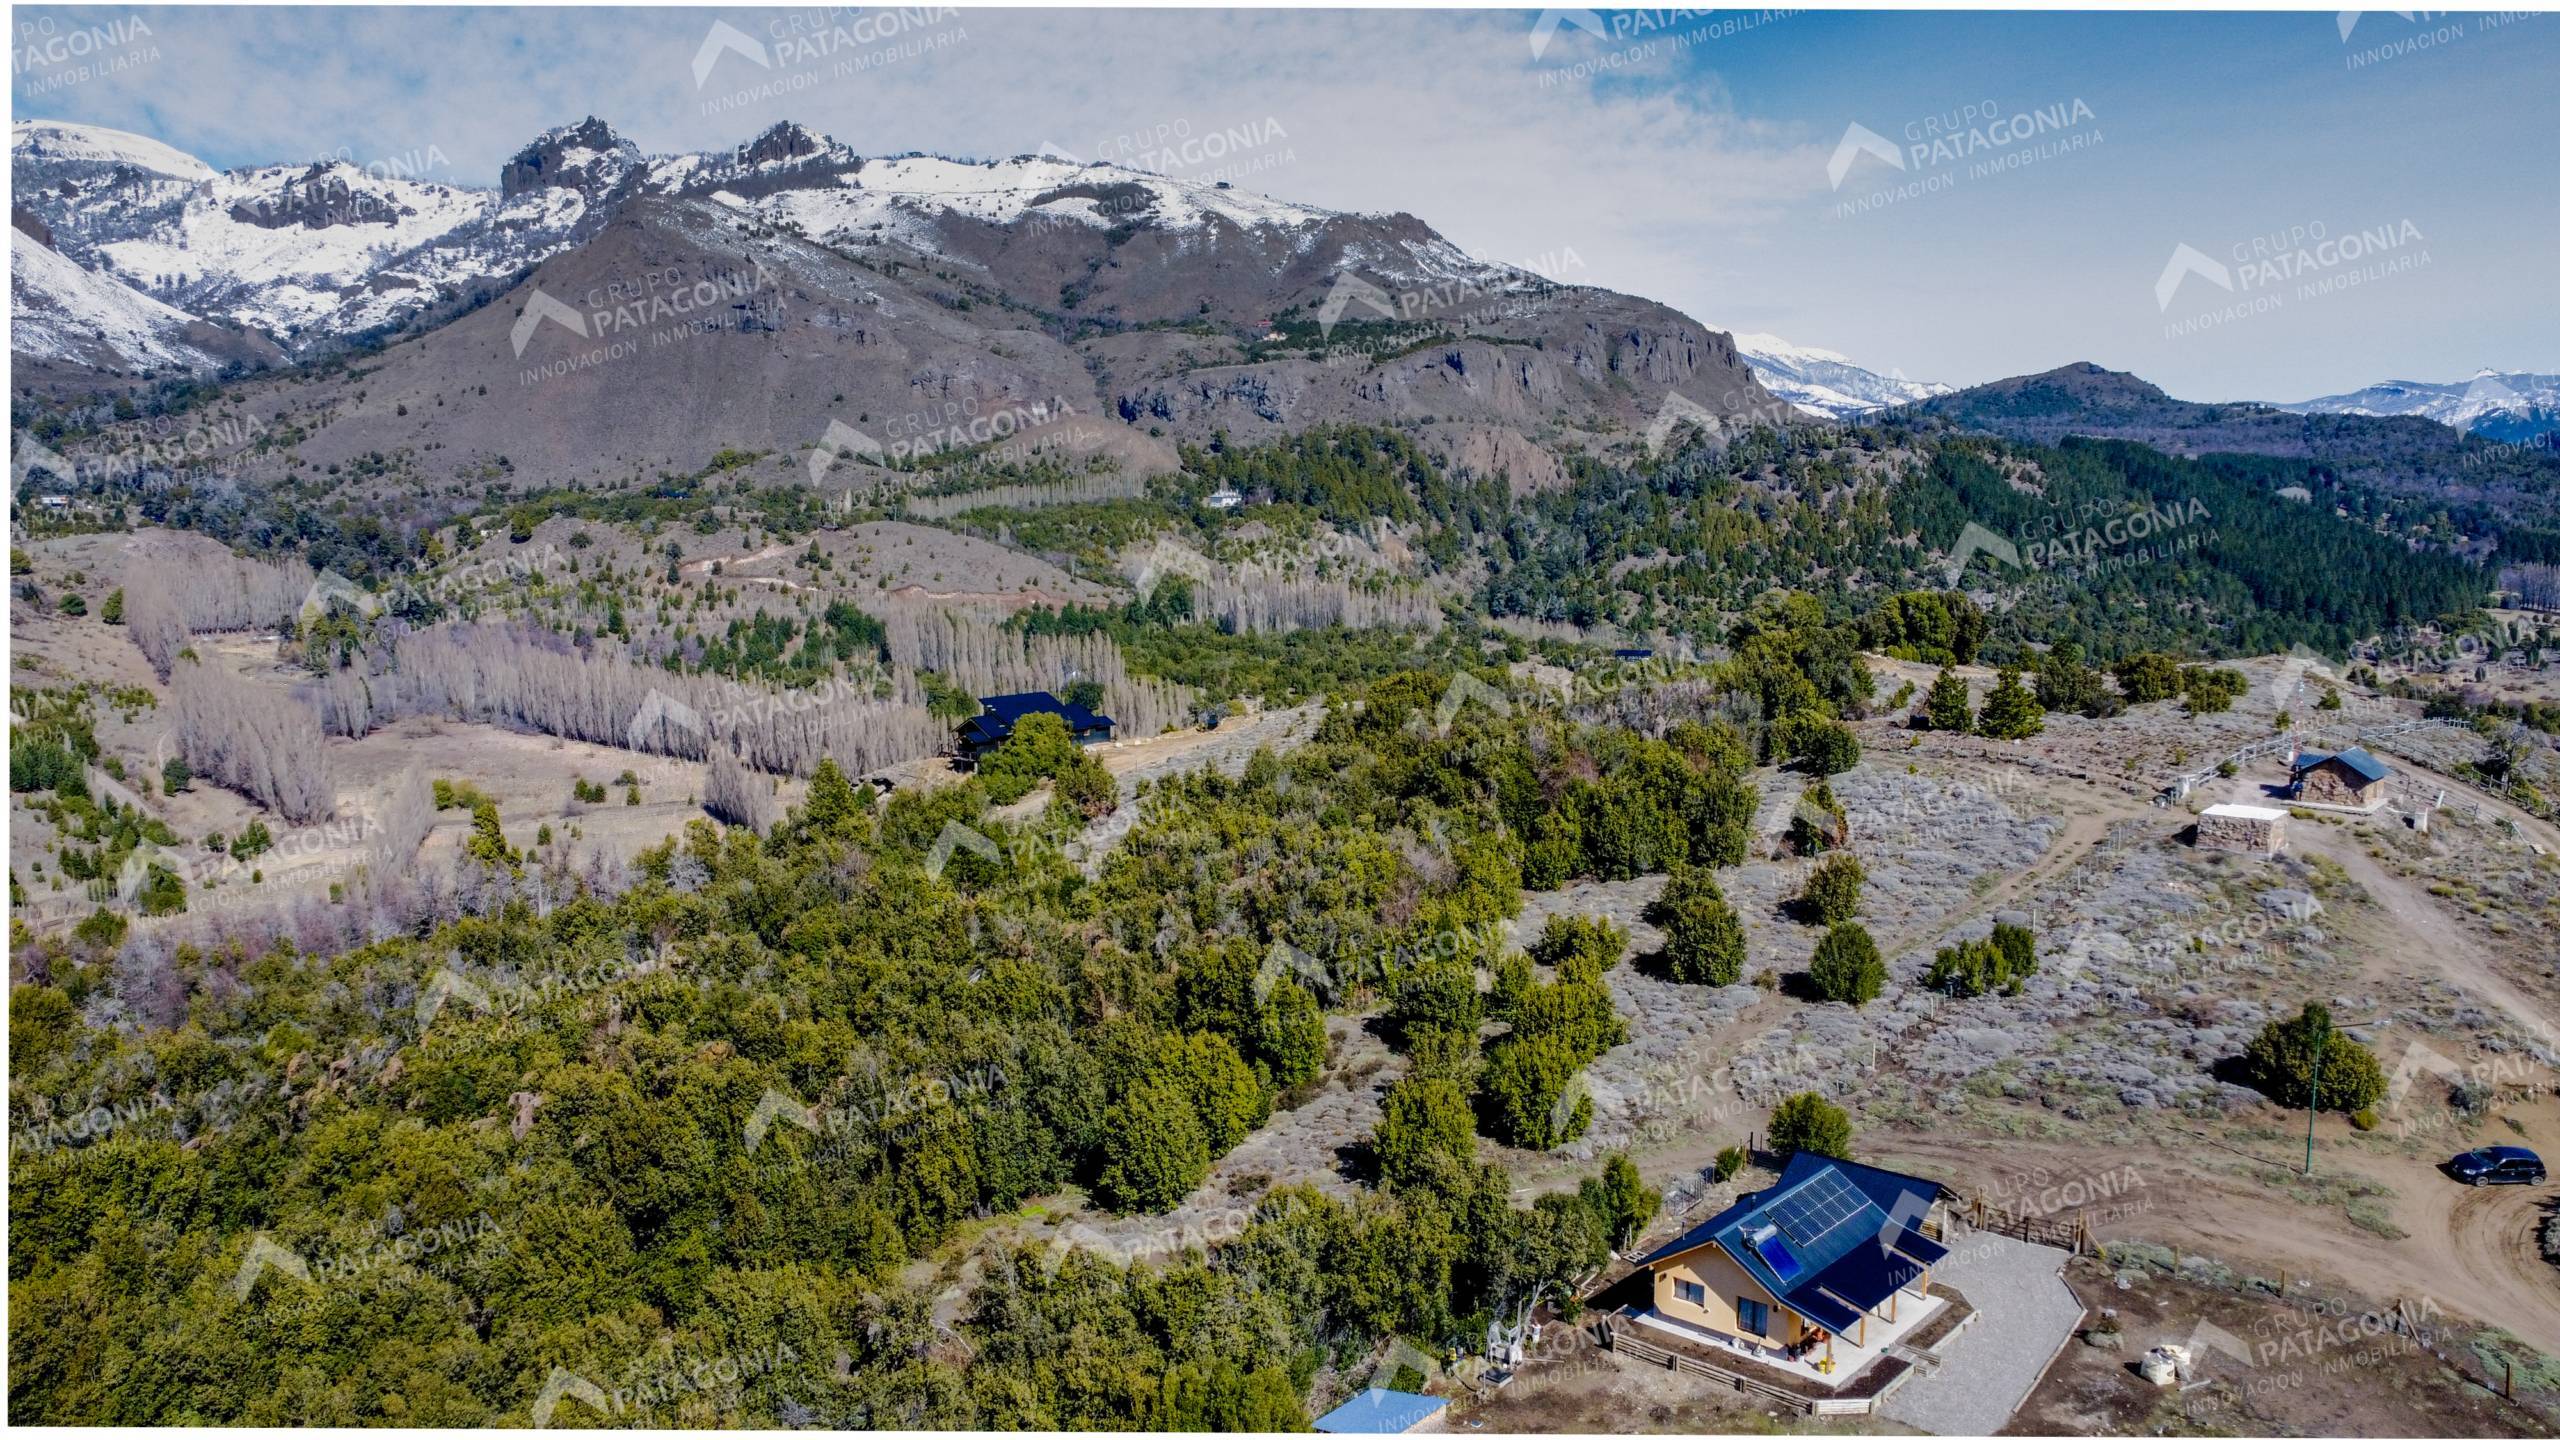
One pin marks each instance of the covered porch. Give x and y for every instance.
(1851, 1341)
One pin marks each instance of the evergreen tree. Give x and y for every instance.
(1846, 966)
(2279, 1062)
(1950, 705)
(2009, 712)
(1702, 936)
(1808, 1122)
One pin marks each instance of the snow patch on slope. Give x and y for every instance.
(1827, 382)
(64, 313)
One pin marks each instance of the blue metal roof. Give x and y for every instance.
(1824, 1240)
(2357, 759)
(1000, 713)
(1379, 1412)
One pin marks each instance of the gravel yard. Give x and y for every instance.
(2024, 1315)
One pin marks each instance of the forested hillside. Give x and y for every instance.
(711, 1118)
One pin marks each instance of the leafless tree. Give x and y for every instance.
(533, 678)
(735, 795)
(1254, 603)
(259, 741)
(989, 659)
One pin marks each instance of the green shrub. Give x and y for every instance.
(1529, 1097)
(1950, 706)
(1999, 964)
(2279, 1062)
(2009, 712)
(1809, 1122)
(1831, 890)
(1846, 966)
(1702, 936)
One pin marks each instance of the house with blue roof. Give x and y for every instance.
(1818, 1274)
(2350, 777)
(998, 714)
(1377, 1411)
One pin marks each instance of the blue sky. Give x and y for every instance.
(1685, 155)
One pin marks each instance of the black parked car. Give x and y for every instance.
(2497, 1165)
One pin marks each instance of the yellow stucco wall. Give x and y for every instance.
(1725, 1282)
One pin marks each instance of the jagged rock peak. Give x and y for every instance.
(784, 140)
(589, 157)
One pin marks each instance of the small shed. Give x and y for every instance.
(2248, 829)
(1377, 1411)
(2342, 777)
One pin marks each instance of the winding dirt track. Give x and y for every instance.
(2470, 1250)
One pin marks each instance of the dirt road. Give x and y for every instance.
(2472, 1251)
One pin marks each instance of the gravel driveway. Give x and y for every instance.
(2025, 1316)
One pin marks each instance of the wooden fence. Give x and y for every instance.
(2062, 1232)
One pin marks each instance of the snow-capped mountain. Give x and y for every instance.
(1827, 382)
(315, 254)
(67, 315)
(2496, 404)
(310, 254)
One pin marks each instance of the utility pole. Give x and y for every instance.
(2319, 1057)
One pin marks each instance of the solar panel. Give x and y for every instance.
(1817, 1207)
(1782, 1261)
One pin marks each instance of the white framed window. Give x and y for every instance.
(1690, 1291)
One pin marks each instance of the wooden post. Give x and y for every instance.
(2511, 1376)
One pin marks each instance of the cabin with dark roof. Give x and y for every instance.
(998, 714)
(2345, 777)
(1817, 1275)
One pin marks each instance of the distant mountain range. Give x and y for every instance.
(2416, 461)
(2498, 404)
(1826, 382)
(871, 291)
